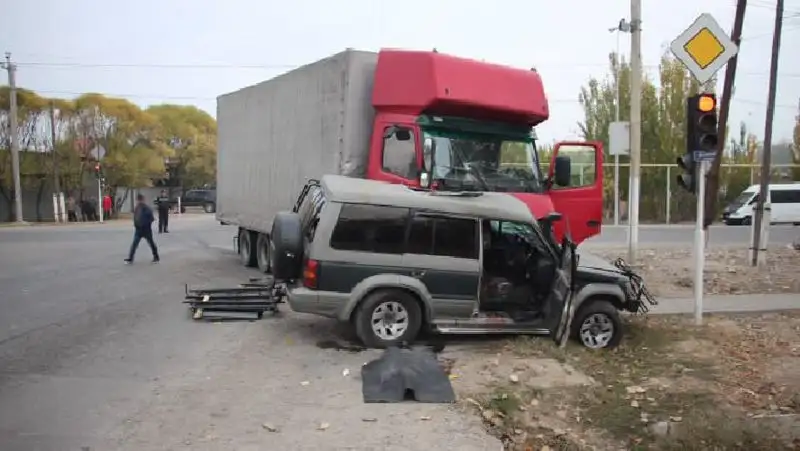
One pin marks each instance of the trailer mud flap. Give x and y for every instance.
(248, 301)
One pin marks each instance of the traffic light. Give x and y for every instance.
(701, 137)
(98, 170)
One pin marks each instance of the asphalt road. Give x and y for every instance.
(721, 235)
(101, 356)
(97, 355)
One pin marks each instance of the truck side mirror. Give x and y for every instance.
(562, 173)
(428, 152)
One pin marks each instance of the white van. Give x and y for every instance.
(784, 201)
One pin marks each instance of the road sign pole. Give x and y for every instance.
(699, 248)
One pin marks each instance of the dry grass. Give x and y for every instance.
(668, 272)
(669, 386)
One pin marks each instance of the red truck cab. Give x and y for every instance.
(449, 123)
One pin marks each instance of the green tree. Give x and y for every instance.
(663, 132)
(192, 134)
(126, 139)
(33, 170)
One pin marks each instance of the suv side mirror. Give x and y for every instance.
(562, 173)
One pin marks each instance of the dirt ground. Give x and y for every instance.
(669, 272)
(731, 384)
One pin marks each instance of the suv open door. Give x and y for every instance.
(560, 307)
(576, 188)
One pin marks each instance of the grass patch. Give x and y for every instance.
(660, 389)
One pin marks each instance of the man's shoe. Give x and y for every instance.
(128, 261)
(156, 260)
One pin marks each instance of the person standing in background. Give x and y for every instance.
(142, 226)
(107, 203)
(162, 204)
(71, 206)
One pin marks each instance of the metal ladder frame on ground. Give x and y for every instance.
(255, 297)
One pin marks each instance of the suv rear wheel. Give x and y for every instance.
(388, 317)
(286, 252)
(597, 325)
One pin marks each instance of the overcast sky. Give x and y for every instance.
(64, 48)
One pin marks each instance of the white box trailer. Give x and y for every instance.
(274, 136)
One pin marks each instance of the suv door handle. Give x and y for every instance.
(593, 223)
(418, 273)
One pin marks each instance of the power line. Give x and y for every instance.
(206, 99)
(42, 64)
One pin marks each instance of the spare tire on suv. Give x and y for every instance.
(286, 241)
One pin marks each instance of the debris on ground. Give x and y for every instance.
(731, 384)
(401, 374)
(669, 273)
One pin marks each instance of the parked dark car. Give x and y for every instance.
(205, 198)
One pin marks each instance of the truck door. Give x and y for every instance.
(580, 200)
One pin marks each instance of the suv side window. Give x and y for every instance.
(370, 228)
(443, 236)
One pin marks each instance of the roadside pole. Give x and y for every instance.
(14, 136)
(636, 128)
(703, 48)
(58, 196)
(699, 243)
(758, 221)
(100, 199)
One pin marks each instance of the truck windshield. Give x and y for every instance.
(486, 162)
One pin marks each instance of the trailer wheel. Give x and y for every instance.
(263, 257)
(247, 251)
(286, 240)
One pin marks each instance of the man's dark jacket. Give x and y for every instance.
(142, 217)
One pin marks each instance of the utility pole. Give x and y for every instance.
(636, 128)
(56, 178)
(767, 156)
(712, 187)
(13, 133)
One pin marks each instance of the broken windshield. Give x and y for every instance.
(486, 162)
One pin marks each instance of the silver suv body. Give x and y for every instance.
(393, 261)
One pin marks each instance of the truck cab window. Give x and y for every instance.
(399, 154)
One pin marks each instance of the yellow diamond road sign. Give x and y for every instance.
(704, 48)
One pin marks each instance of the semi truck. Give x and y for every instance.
(424, 119)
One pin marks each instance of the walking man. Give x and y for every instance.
(142, 228)
(162, 203)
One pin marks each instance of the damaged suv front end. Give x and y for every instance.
(615, 281)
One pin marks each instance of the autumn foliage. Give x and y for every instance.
(136, 147)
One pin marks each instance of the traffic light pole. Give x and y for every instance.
(100, 199)
(699, 243)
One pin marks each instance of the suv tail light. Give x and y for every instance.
(310, 270)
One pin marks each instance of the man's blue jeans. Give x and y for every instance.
(147, 234)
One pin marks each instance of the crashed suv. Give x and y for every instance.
(393, 261)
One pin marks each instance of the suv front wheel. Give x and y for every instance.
(388, 317)
(597, 325)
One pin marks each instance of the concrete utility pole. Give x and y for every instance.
(13, 133)
(636, 128)
(56, 181)
(712, 186)
(767, 156)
